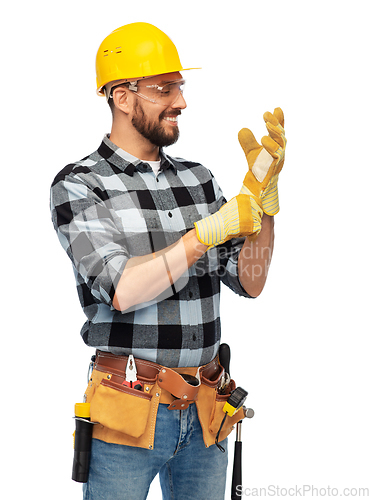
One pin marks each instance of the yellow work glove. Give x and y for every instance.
(234, 219)
(265, 162)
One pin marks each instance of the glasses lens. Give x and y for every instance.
(164, 94)
(170, 92)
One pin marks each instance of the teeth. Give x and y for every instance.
(171, 119)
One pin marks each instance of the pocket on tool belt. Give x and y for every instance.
(218, 414)
(120, 408)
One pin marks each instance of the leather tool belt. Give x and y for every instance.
(128, 416)
(180, 386)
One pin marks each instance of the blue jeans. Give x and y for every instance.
(187, 469)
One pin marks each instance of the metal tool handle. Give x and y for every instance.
(237, 467)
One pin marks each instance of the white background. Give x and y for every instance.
(301, 349)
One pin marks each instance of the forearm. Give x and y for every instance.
(254, 259)
(144, 278)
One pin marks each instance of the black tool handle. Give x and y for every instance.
(224, 356)
(236, 484)
(82, 451)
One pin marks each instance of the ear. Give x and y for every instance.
(122, 99)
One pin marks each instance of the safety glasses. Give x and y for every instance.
(165, 94)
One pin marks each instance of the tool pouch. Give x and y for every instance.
(127, 416)
(210, 409)
(131, 408)
(124, 415)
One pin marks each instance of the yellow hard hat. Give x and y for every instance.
(135, 51)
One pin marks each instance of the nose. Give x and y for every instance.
(179, 102)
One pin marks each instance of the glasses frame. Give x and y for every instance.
(134, 87)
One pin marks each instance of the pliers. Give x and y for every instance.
(131, 375)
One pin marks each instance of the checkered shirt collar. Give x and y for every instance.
(128, 163)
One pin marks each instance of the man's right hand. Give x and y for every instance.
(241, 216)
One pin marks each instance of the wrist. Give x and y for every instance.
(210, 231)
(195, 247)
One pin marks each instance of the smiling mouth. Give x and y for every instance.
(171, 118)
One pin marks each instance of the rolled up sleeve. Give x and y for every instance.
(229, 273)
(228, 254)
(87, 232)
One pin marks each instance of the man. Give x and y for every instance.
(150, 238)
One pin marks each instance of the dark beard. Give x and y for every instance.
(152, 131)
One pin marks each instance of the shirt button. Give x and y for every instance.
(194, 338)
(169, 214)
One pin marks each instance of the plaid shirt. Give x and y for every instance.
(110, 207)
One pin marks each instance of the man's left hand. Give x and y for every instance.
(265, 162)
